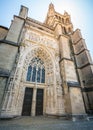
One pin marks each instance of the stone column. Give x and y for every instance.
(34, 96)
(34, 102)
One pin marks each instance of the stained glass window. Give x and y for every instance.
(38, 75)
(36, 71)
(43, 76)
(34, 74)
(29, 73)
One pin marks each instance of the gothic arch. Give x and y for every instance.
(43, 54)
(50, 77)
(19, 80)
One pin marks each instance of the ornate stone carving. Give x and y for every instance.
(40, 39)
(28, 51)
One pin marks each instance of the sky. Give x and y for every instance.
(81, 12)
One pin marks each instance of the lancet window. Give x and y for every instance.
(36, 71)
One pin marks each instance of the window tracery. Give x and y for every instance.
(36, 71)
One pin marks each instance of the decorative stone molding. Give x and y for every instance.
(40, 39)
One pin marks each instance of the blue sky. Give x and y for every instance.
(80, 11)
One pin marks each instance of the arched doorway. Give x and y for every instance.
(35, 74)
(52, 93)
(38, 77)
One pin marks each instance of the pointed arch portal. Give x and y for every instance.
(38, 75)
(36, 87)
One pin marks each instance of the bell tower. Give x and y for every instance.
(53, 18)
(63, 29)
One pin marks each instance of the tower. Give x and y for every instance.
(71, 86)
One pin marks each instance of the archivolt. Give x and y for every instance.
(44, 55)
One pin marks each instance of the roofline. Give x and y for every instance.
(39, 23)
(4, 27)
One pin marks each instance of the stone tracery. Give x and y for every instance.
(36, 71)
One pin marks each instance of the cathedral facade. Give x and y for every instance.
(45, 68)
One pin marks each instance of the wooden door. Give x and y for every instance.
(39, 102)
(27, 104)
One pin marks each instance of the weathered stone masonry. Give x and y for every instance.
(45, 68)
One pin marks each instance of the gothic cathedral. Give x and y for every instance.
(45, 68)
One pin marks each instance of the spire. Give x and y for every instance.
(51, 10)
(51, 5)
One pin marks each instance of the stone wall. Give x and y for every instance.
(76, 101)
(2, 88)
(7, 56)
(84, 66)
(64, 47)
(15, 30)
(3, 32)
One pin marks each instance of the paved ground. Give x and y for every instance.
(44, 123)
